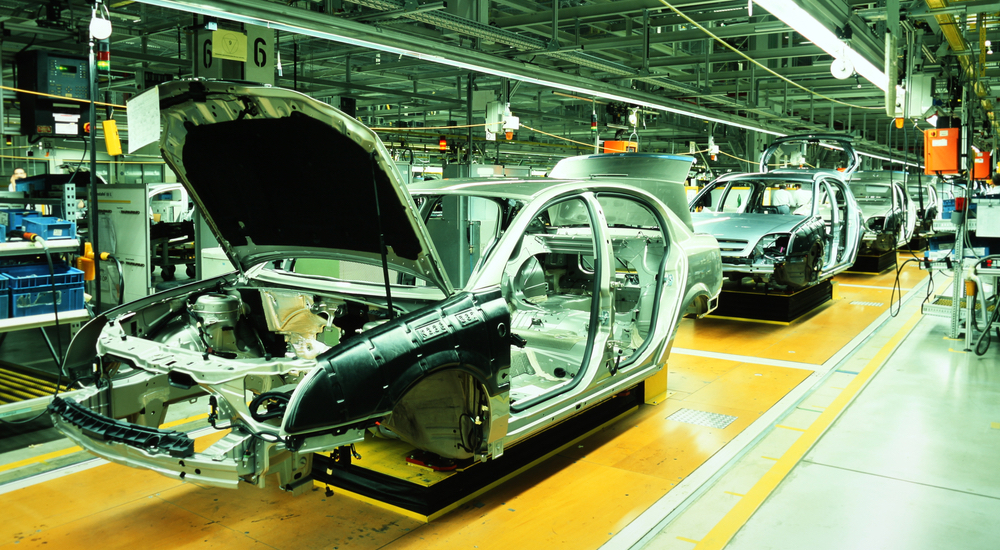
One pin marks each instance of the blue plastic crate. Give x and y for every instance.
(13, 218)
(30, 289)
(51, 228)
(32, 184)
(3, 232)
(4, 298)
(39, 301)
(20, 277)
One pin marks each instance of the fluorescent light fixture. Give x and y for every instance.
(477, 67)
(892, 160)
(808, 26)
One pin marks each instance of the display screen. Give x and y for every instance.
(67, 69)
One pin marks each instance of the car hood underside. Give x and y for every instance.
(278, 174)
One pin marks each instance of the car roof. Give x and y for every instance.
(799, 175)
(512, 188)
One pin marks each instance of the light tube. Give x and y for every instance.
(808, 26)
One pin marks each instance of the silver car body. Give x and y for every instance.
(791, 227)
(319, 340)
(890, 216)
(927, 200)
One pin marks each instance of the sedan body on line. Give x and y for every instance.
(890, 216)
(792, 227)
(460, 316)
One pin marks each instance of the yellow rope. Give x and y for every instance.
(755, 62)
(68, 161)
(63, 98)
(736, 157)
(560, 137)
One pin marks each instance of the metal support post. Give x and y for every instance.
(92, 211)
(468, 98)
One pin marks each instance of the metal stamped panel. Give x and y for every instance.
(702, 418)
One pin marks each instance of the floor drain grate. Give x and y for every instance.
(873, 304)
(702, 418)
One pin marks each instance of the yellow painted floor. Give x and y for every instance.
(578, 499)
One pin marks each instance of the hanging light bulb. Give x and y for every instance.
(510, 123)
(100, 22)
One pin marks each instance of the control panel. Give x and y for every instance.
(57, 76)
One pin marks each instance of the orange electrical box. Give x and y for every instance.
(941, 151)
(620, 146)
(981, 168)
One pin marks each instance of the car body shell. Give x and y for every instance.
(890, 216)
(811, 236)
(320, 339)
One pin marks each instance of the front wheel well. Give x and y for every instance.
(446, 413)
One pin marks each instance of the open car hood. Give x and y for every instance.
(812, 151)
(278, 175)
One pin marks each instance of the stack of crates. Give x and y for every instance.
(30, 289)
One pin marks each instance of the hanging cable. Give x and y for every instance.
(58, 358)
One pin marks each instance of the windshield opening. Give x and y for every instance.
(465, 229)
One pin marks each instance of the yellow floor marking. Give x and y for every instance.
(39, 458)
(770, 458)
(183, 421)
(790, 428)
(995, 425)
(748, 320)
(957, 350)
(954, 339)
(71, 450)
(687, 540)
(723, 532)
(734, 494)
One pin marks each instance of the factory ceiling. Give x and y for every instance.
(707, 72)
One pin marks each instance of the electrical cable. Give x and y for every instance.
(58, 359)
(894, 225)
(281, 398)
(86, 148)
(121, 276)
(979, 349)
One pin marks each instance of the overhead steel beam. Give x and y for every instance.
(597, 10)
(730, 31)
(758, 55)
(290, 19)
